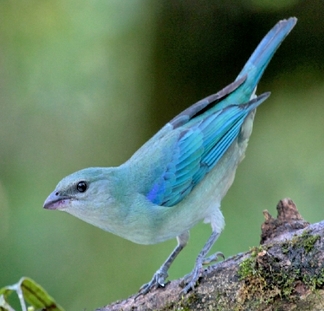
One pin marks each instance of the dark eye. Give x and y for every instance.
(81, 186)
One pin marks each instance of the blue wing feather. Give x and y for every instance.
(208, 128)
(199, 150)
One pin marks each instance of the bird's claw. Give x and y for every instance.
(213, 258)
(158, 280)
(189, 281)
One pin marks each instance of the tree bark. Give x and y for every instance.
(286, 272)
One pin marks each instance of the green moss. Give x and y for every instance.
(308, 241)
(271, 274)
(183, 304)
(247, 267)
(305, 241)
(267, 277)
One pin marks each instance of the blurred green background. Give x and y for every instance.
(85, 83)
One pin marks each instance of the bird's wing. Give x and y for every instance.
(203, 140)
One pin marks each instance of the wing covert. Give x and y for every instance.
(202, 143)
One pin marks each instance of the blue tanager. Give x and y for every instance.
(179, 177)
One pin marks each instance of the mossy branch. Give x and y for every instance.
(286, 272)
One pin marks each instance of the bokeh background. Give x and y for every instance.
(85, 83)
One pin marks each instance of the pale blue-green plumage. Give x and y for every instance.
(200, 145)
(180, 175)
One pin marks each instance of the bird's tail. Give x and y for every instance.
(259, 60)
(262, 55)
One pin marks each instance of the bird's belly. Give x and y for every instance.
(203, 203)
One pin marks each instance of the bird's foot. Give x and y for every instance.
(189, 281)
(158, 280)
(213, 258)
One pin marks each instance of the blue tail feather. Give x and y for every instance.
(265, 50)
(257, 63)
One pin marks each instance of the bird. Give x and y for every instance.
(179, 177)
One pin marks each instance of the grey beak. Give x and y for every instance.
(56, 201)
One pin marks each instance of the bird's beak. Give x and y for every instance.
(56, 201)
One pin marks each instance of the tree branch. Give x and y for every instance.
(285, 272)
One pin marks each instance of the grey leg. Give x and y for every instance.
(192, 278)
(160, 275)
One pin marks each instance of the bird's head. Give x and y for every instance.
(81, 191)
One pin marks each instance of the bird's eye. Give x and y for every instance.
(82, 186)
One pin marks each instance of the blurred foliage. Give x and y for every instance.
(30, 295)
(86, 83)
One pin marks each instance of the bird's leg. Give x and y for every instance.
(160, 275)
(191, 279)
